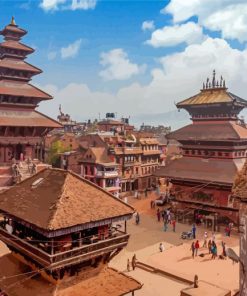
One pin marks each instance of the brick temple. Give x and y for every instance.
(214, 150)
(22, 128)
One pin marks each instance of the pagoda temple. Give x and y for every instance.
(214, 149)
(22, 128)
(64, 229)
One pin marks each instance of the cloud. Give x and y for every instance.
(179, 76)
(117, 65)
(148, 25)
(71, 50)
(227, 16)
(171, 36)
(51, 55)
(52, 5)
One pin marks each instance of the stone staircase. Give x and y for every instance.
(25, 170)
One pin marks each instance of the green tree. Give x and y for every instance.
(54, 153)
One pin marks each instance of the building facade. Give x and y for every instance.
(214, 149)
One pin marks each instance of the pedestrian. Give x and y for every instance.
(194, 230)
(137, 218)
(227, 230)
(161, 247)
(128, 265)
(230, 228)
(209, 246)
(165, 225)
(214, 250)
(205, 239)
(163, 215)
(169, 218)
(133, 262)
(192, 248)
(158, 215)
(197, 246)
(146, 192)
(223, 249)
(174, 225)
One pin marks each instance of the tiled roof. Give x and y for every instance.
(61, 200)
(239, 188)
(23, 90)
(149, 141)
(210, 131)
(99, 155)
(18, 65)
(16, 45)
(14, 28)
(26, 117)
(95, 282)
(211, 96)
(220, 171)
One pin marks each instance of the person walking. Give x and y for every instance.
(194, 230)
(197, 246)
(230, 229)
(209, 246)
(158, 215)
(214, 250)
(133, 262)
(174, 225)
(137, 218)
(223, 249)
(161, 247)
(205, 239)
(192, 248)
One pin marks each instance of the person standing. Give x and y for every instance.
(146, 192)
(223, 249)
(174, 225)
(205, 239)
(161, 247)
(137, 218)
(197, 246)
(158, 215)
(165, 225)
(230, 229)
(133, 262)
(128, 265)
(194, 230)
(209, 246)
(192, 248)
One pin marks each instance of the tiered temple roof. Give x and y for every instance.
(239, 188)
(67, 201)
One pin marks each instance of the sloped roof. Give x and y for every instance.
(16, 45)
(18, 65)
(61, 200)
(212, 170)
(100, 155)
(95, 282)
(224, 130)
(22, 90)
(212, 96)
(26, 117)
(13, 28)
(239, 188)
(149, 141)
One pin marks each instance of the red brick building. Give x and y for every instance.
(214, 149)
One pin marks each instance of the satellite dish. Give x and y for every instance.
(232, 255)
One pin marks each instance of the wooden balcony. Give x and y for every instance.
(60, 259)
(22, 140)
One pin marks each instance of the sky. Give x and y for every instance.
(134, 58)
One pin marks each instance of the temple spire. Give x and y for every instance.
(13, 21)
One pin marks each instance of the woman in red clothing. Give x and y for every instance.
(197, 246)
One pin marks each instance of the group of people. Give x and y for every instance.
(210, 245)
(167, 218)
(133, 263)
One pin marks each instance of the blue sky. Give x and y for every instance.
(132, 57)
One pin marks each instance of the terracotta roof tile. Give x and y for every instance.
(16, 45)
(210, 131)
(220, 171)
(99, 155)
(149, 141)
(26, 117)
(18, 65)
(61, 200)
(95, 282)
(14, 28)
(22, 89)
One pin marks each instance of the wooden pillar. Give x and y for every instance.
(80, 240)
(52, 246)
(125, 226)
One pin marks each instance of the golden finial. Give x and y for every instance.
(13, 21)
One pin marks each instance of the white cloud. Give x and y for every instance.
(71, 50)
(170, 36)
(227, 16)
(179, 76)
(118, 66)
(51, 5)
(51, 55)
(83, 4)
(148, 25)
